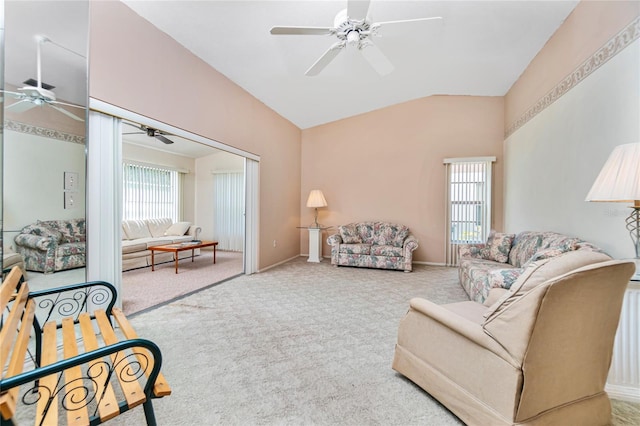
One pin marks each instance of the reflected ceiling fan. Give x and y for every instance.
(36, 93)
(149, 131)
(352, 27)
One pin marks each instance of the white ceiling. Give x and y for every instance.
(63, 62)
(479, 48)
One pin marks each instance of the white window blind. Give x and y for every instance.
(228, 210)
(151, 192)
(468, 203)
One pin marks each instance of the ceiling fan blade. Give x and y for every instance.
(66, 104)
(21, 106)
(392, 28)
(358, 9)
(376, 58)
(163, 139)
(65, 112)
(302, 31)
(327, 57)
(14, 95)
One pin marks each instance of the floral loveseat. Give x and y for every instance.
(502, 259)
(373, 245)
(52, 245)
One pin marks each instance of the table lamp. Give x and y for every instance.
(316, 199)
(619, 181)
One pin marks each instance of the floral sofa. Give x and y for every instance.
(373, 245)
(52, 245)
(502, 259)
(139, 235)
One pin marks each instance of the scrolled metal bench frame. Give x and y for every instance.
(69, 302)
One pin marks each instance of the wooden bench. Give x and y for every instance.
(80, 368)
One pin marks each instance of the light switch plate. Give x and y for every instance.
(71, 181)
(69, 200)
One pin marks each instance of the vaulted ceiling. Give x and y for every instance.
(478, 48)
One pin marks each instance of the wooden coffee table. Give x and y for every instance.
(175, 248)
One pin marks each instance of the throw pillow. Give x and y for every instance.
(349, 234)
(178, 229)
(498, 247)
(136, 229)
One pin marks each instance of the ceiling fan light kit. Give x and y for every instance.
(352, 27)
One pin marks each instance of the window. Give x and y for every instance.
(468, 202)
(228, 210)
(150, 192)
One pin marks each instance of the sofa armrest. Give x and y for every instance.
(471, 250)
(334, 240)
(462, 326)
(410, 244)
(36, 242)
(194, 231)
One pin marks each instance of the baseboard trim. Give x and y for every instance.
(624, 393)
(278, 264)
(430, 263)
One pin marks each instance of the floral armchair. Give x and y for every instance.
(53, 245)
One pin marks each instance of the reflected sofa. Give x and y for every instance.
(139, 235)
(500, 261)
(52, 245)
(379, 245)
(536, 354)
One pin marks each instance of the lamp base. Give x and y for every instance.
(636, 276)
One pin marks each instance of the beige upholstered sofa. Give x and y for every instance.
(536, 354)
(10, 259)
(139, 235)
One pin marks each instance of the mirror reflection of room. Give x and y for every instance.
(44, 163)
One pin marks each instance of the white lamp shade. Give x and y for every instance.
(619, 179)
(316, 199)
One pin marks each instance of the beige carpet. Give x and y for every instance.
(142, 288)
(300, 344)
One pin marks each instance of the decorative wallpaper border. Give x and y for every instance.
(614, 46)
(42, 131)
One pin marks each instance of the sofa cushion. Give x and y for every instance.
(478, 276)
(42, 231)
(136, 229)
(387, 250)
(132, 246)
(178, 229)
(158, 227)
(541, 271)
(498, 247)
(390, 234)
(71, 230)
(355, 248)
(367, 232)
(70, 249)
(349, 234)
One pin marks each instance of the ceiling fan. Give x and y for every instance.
(352, 27)
(149, 131)
(36, 93)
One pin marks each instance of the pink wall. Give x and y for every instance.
(387, 164)
(588, 27)
(135, 66)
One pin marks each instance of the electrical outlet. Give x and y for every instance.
(275, 243)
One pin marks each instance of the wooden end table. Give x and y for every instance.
(175, 248)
